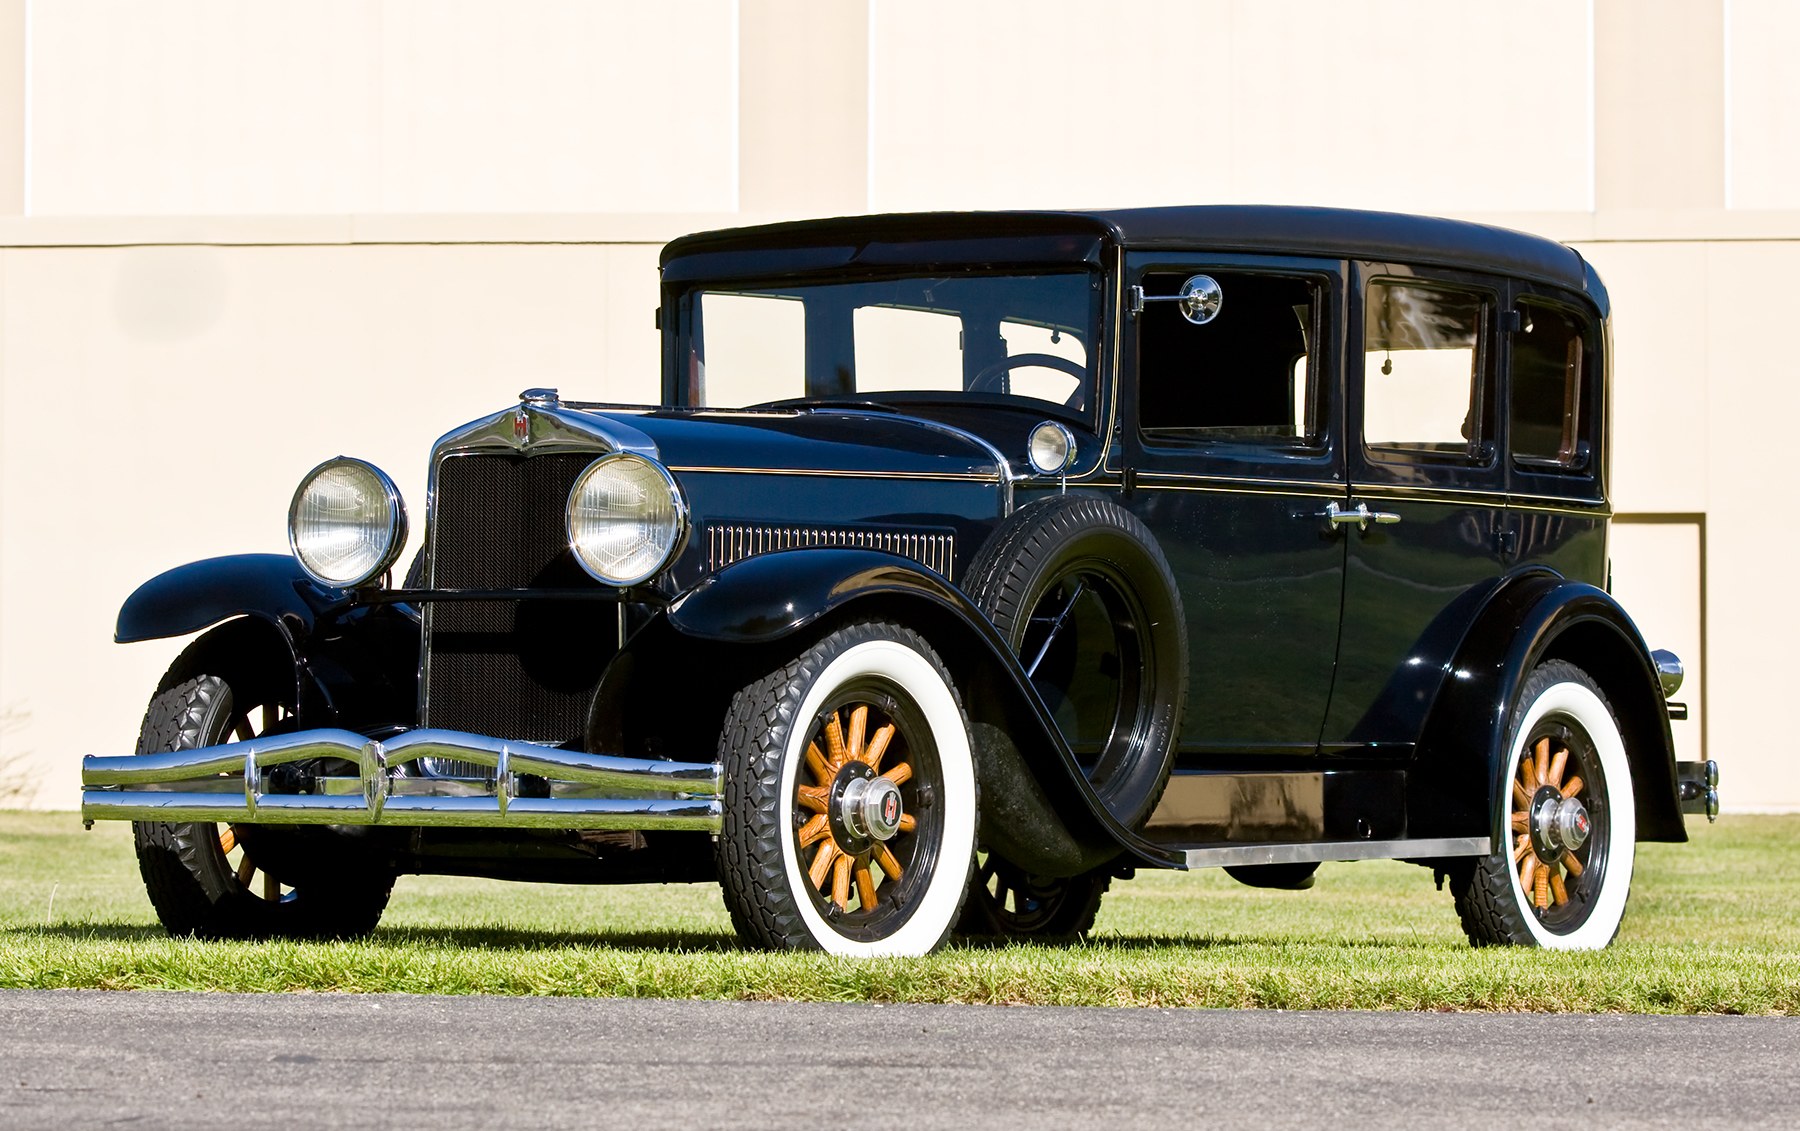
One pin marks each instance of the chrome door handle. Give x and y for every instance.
(1361, 515)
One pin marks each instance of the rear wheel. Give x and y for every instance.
(1007, 902)
(210, 880)
(1561, 877)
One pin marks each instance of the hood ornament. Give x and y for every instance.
(521, 421)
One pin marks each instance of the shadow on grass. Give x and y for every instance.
(689, 942)
(458, 938)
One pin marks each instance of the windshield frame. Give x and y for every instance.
(681, 388)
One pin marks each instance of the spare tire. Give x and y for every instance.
(1083, 594)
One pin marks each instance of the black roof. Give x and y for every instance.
(1331, 232)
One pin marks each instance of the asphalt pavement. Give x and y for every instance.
(90, 1058)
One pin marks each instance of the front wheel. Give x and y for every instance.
(1561, 877)
(231, 881)
(850, 808)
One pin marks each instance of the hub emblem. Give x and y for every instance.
(890, 809)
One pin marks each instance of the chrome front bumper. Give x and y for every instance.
(226, 784)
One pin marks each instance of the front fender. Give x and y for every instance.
(1462, 755)
(1038, 808)
(769, 596)
(191, 597)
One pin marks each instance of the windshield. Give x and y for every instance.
(1010, 338)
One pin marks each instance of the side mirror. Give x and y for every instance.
(1199, 299)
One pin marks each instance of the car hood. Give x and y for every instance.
(823, 441)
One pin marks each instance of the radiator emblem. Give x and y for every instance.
(521, 426)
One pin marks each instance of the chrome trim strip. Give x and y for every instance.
(1335, 486)
(1249, 855)
(1597, 511)
(1314, 491)
(838, 473)
(1003, 471)
(733, 542)
(1554, 501)
(134, 787)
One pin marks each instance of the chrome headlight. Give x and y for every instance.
(346, 524)
(626, 519)
(1051, 448)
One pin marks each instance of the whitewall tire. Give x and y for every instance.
(1561, 876)
(850, 798)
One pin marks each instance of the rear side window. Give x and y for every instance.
(1423, 392)
(1553, 359)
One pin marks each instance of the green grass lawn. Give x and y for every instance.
(1713, 927)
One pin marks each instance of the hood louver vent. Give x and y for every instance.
(727, 544)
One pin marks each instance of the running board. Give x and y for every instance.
(1249, 855)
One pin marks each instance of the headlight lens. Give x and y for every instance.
(1052, 448)
(346, 524)
(626, 519)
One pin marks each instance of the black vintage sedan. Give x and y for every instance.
(970, 563)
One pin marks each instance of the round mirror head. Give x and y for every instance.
(1201, 297)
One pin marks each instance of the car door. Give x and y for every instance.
(1232, 436)
(1427, 488)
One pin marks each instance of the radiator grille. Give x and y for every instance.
(727, 544)
(511, 669)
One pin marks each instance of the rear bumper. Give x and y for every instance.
(229, 784)
(1699, 782)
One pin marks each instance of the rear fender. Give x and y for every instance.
(752, 616)
(1461, 767)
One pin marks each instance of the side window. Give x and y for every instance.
(1553, 357)
(1246, 375)
(1423, 392)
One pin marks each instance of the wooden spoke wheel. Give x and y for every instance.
(849, 816)
(1561, 875)
(859, 807)
(1007, 902)
(1554, 832)
(245, 723)
(248, 880)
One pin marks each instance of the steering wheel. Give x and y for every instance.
(995, 375)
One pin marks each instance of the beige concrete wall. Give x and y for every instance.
(1365, 103)
(237, 238)
(218, 106)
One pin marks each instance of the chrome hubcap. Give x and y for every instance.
(870, 807)
(1558, 824)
